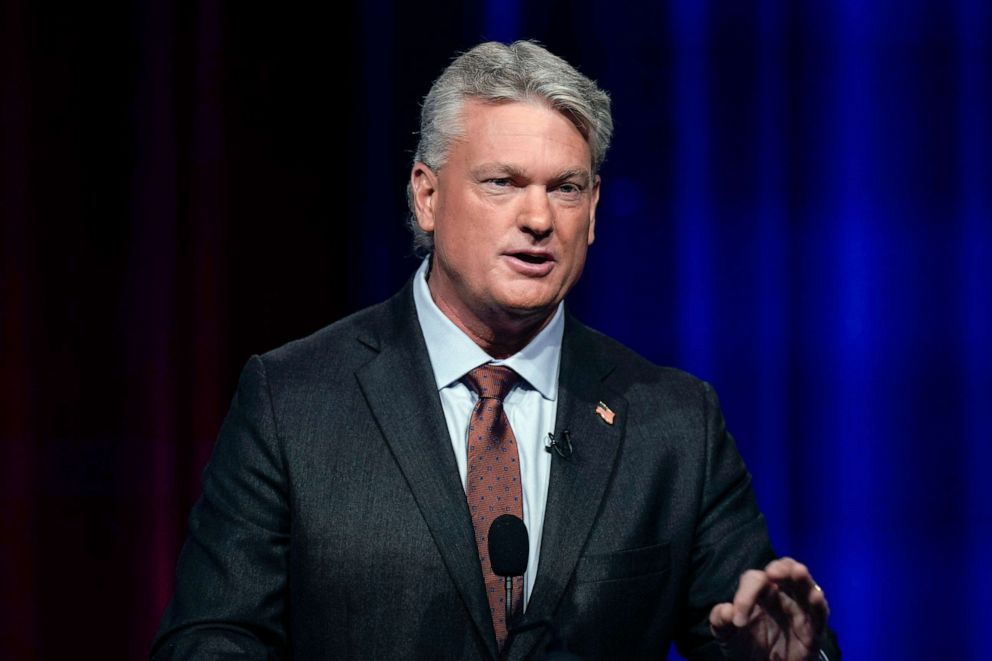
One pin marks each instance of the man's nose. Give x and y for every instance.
(536, 215)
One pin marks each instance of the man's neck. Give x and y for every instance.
(500, 338)
(498, 333)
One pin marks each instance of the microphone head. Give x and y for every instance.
(509, 546)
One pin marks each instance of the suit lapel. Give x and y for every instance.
(401, 392)
(578, 483)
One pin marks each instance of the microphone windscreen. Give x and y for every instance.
(508, 546)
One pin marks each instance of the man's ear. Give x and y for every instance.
(423, 186)
(592, 210)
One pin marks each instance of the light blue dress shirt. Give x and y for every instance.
(531, 406)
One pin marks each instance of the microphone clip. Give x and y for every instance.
(560, 443)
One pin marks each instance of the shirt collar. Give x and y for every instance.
(453, 354)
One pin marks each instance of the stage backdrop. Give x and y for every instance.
(797, 208)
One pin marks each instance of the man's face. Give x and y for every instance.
(512, 212)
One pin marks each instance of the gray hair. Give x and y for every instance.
(496, 73)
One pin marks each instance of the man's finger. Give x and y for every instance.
(794, 579)
(819, 609)
(752, 585)
(809, 623)
(722, 620)
(787, 569)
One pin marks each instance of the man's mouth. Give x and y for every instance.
(531, 264)
(531, 258)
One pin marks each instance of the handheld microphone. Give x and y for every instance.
(561, 443)
(509, 548)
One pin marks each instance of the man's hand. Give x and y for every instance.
(779, 613)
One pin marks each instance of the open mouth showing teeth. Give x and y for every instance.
(530, 259)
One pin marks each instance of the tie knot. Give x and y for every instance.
(491, 381)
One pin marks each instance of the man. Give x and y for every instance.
(347, 505)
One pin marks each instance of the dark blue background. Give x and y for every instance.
(797, 208)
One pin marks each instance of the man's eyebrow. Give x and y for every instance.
(489, 169)
(575, 173)
(509, 170)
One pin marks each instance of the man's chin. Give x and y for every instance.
(530, 297)
(530, 310)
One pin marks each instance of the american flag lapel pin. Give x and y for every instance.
(604, 412)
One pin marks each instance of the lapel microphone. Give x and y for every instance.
(560, 443)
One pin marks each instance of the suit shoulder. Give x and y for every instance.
(332, 350)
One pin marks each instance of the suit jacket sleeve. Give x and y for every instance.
(730, 535)
(730, 538)
(230, 595)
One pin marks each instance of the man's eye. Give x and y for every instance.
(570, 189)
(501, 181)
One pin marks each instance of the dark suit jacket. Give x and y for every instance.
(333, 523)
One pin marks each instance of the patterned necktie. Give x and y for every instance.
(493, 485)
